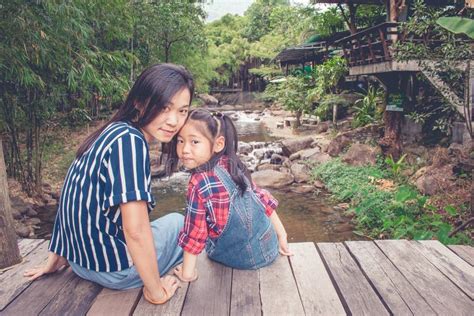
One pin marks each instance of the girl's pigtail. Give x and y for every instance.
(237, 169)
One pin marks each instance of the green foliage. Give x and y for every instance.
(324, 109)
(327, 76)
(439, 45)
(398, 213)
(266, 71)
(396, 167)
(80, 57)
(457, 25)
(78, 117)
(292, 94)
(368, 109)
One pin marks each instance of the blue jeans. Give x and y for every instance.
(165, 234)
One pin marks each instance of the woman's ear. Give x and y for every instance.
(219, 144)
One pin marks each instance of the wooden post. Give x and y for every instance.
(9, 252)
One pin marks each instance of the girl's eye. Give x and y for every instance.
(180, 141)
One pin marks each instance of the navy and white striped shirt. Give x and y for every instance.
(88, 226)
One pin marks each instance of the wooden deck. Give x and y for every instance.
(355, 277)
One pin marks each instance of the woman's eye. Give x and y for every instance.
(195, 142)
(184, 111)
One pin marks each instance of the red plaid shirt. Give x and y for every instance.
(207, 209)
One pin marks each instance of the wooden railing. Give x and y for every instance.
(372, 45)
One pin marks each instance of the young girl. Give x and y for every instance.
(102, 229)
(226, 213)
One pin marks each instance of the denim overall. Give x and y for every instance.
(248, 240)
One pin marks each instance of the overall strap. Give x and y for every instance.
(226, 179)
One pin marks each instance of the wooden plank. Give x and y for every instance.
(113, 302)
(39, 294)
(12, 282)
(74, 299)
(25, 246)
(210, 294)
(398, 294)
(278, 289)
(465, 252)
(28, 245)
(356, 291)
(442, 295)
(457, 270)
(317, 292)
(245, 298)
(172, 307)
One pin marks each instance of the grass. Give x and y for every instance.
(383, 206)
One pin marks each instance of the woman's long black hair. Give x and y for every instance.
(215, 125)
(150, 94)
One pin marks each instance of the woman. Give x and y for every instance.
(102, 229)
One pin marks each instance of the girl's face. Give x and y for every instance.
(194, 148)
(170, 120)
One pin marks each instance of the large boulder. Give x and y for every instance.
(322, 127)
(301, 172)
(291, 146)
(434, 179)
(337, 145)
(208, 99)
(245, 148)
(308, 154)
(272, 179)
(361, 155)
(267, 166)
(319, 158)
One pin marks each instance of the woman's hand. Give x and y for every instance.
(54, 263)
(283, 247)
(169, 286)
(179, 272)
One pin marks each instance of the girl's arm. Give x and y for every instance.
(281, 233)
(192, 237)
(140, 244)
(187, 272)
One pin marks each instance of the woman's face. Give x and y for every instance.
(170, 120)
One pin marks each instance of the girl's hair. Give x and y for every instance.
(150, 94)
(215, 125)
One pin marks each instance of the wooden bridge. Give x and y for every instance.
(355, 277)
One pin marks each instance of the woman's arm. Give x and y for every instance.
(140, 244)
(54, 263)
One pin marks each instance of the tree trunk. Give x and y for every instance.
(391, 142)
(298, 119)
(9, 252)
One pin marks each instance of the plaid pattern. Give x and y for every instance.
(207, 209)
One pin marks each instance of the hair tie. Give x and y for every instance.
(217, 114)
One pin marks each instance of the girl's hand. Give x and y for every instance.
(178, 271)
(283, 247)
(54, 263)
(170, 285)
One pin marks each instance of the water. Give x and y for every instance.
(306, 217)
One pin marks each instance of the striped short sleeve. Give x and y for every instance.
(128, 169)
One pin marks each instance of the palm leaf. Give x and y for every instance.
(457, 25)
